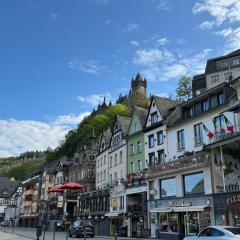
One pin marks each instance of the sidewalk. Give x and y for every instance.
(7, 236)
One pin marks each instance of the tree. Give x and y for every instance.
(184, 89)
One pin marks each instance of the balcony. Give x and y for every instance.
(185, 163)
(224, 135)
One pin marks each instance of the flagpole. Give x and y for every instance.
(221, 159)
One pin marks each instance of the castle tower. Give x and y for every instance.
(138, 93)
(139, 86)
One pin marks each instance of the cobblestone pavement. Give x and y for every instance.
(30, 233)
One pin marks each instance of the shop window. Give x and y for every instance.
(193, 184)
(169, 222)
(168, 187)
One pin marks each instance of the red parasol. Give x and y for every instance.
(72, 185)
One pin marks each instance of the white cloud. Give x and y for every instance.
(161, 41)
(131, 27)
(91, 67)
(134, 43)
(181, 41)
(207, 25)
(162, 5)
(54, 16)
(94, 99)
(221, 11)
(108, 21)
(17, 136)
(151, 56)
(163, 65)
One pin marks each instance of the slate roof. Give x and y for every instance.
(8, 187)
(107, 134)
(124, 124)
(211, 63)
(164, 105)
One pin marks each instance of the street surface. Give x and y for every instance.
(30, 233)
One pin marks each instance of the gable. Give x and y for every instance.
(135, 125)
(153, 109)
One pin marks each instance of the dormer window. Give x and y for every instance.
(236, 62)
(103, 146)
(154, 118)
(5, 192)
(135, 127)
(190, 112)
(220, 98)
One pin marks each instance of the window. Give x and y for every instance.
(101, 162)
(151, 141)
(101, 177)
(154, 118)
(180, 139)
(205, 106)
(193, 184)
(110, 178)
(222, 65)
(132, 167)
(228, 76)
(151, 190)
(132, 149)
(211, 232)
(161, 157)
(139, 165)
(104, 159)
(215, 79)
(115, 159)
(115, 176)
(236, 62)
(220, 98)
(160, 137)
(111, 162)
(152, 159)
(168, 187)
(139, 147)
(190, 112)
(121, 206)
(198, 134)
(98, 178)
(135, 127)
(104, 175)
(219, 123)
(98, 163)
(120, 157)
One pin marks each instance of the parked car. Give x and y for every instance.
(217, 233)
(81, 227)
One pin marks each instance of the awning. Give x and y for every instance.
(111, 214)
(179, 209)
(162, 209)
(189, 209)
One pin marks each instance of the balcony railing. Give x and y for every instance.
(187, 162)
(230, 187)
(198, 140)
(224, 134)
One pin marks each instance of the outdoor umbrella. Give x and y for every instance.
(56, 189)
(72, 185)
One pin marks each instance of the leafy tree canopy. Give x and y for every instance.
(184, 89)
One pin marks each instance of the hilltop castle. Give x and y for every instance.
(137, 94)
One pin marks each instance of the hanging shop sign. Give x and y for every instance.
(233, 199)
(180, 204)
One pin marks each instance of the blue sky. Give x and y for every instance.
(59, 58)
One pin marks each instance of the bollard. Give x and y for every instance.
(115, 236)
(85, 233)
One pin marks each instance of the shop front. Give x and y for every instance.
(227, 209)
(179, 217)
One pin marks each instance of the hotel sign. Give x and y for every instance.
(180, 204)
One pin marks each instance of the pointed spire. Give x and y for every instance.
(104, 100)
(110, 104)
(138, 77)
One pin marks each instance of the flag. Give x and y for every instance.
(215, 123)
(228, 124)
(208, 132)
